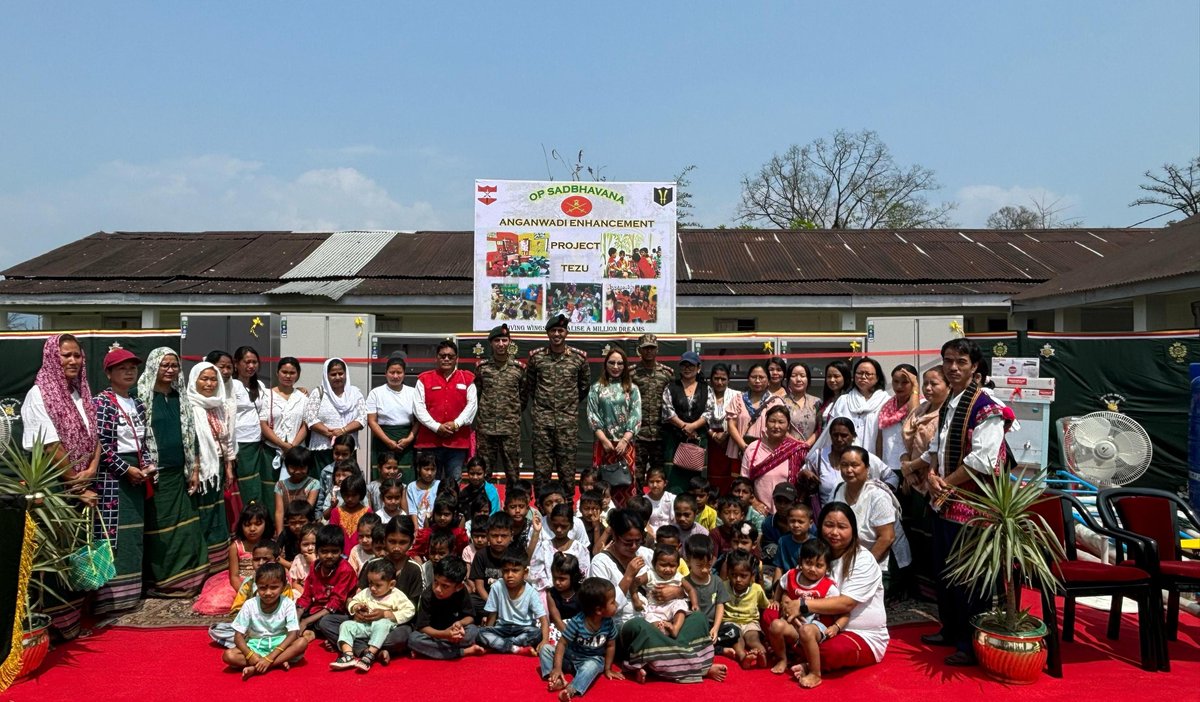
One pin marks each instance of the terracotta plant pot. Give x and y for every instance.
(1017, 659)
(35, 642)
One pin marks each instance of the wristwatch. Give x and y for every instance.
(804, 608)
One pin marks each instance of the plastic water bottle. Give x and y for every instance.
(1194, 439)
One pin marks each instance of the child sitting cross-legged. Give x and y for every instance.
(445, 625)
(514, 617)
(266, 629)
(265, 551)
(809, 580)
(374, 611)
(667, 615)
(587, 645)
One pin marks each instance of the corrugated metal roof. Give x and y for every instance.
(332, 289)
(718, 262)
(341, 254)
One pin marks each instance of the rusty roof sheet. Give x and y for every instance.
(710, 262)
(1162, 253)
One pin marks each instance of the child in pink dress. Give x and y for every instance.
(254, 524)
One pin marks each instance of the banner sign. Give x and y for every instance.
(601, 253)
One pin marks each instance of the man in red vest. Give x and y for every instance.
(445, 407)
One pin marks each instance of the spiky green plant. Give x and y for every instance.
(59, 523)
(1005, 543)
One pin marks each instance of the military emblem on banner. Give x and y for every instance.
(1112, 401)
(488, 191)
(10, 407)
(1178, 352)
(664, 196)
(1047, 351)
(1000, 349)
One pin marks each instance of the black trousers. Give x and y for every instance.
(957, 604)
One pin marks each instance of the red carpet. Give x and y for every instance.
(179, 664)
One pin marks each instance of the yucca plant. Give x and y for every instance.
(1005, 543)
(58, 521)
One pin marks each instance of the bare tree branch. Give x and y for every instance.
(1177, 189)
(849, 180)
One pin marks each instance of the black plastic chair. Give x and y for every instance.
(1081, 578)
(1155, 516)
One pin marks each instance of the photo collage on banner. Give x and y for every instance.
(603, 254)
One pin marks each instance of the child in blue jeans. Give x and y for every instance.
(515, 619)
(589, 644)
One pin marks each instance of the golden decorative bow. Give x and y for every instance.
(359, 323)
(855, 346)
(769, 346)
(254, 325)
(957, 329)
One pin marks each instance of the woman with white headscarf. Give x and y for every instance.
(176, 563)
(335, 409)
(215, 454)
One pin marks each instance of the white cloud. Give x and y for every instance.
(209, 192)
(976, 202)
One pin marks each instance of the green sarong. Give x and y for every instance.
(395, 433)
(124, 591)
(685, 658)
(250, 471)
(214, 525)
(175, 560)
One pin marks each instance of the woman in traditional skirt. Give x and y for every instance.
(256, 475)
(641, 646)
(687, 405)
(125, 466)
(614, 414)
(335, 409)
(230, 495)
(175, 559)
(281, 414)
(390, 410)
(215, 452)
(721, 468)
(59, 411)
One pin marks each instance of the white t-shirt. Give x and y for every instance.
(285, 415)
(247, 429)
(864, 585)
(830, 476)
(392, 408)
(873, 509)
(36, 419)
(129, 438)
(663, 511)
(253, 624)
(603, 566)
(893, 445)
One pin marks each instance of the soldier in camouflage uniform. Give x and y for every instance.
(501, 383)
(652, 378)
(556, 381)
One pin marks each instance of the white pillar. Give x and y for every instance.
(151, 318)
(1140, 317)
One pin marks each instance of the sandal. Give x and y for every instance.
(364, 663)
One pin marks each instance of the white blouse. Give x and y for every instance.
(285, 415)
(392, 408)
(321, 411)
(36, 419)
(248, 429)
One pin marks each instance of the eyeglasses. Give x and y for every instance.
(630, 543)
(865, 374)
(447, 355)
(169, 367)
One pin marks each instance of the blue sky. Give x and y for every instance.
(265, 115)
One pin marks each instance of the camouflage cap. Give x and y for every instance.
(647, 340)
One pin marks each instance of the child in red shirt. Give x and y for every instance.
(329, 583)
(809, 580)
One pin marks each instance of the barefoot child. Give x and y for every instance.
(746, 603)
(588, 644)
(445, 625)
(712, 593)
(809, 580)
(266, 630)
(515, 618)
(375, 611)
(667, 615)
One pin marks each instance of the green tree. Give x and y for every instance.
(848, 181)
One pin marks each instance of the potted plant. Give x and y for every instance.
(58, 530)
(1006, 544)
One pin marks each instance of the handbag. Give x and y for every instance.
(233, 505)
(616, 474)
(690, 456)
(92, 565)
